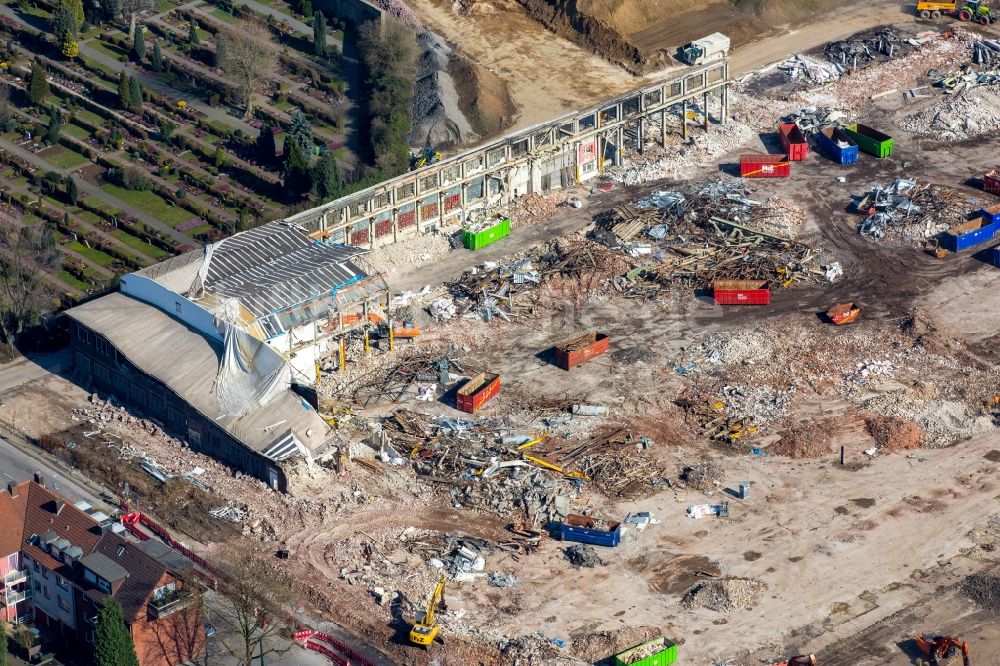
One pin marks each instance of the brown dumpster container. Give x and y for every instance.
(581, 348)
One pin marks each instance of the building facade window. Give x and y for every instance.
(103, 586)
(62, 603)
(62, 582)
(45, 591)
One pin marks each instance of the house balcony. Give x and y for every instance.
(11, 597)
(169, 604)
(16, 577)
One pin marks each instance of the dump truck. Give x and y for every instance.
(973, 10)
(705, 50)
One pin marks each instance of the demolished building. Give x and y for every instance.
(217, 344)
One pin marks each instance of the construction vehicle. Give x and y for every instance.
(425, 629)
(941, 650)
(973, 10)
(798, 660)
(709, 49)
(424, 157)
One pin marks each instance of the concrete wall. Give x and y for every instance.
(173, 304)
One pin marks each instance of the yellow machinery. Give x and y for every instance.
(425, 630)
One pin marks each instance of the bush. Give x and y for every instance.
(131, 178)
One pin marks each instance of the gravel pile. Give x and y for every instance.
(763, 404)
(724, 596)
(438, 120)
(984, 589)
(958, 118)
(583, 556)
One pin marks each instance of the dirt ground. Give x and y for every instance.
(847, 561)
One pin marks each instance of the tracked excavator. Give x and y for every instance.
(942, 650)
(425, 629)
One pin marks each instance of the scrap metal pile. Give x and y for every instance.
(848, 54)
(714, 231)
(910, 212)
(483, 465)
(510, 291)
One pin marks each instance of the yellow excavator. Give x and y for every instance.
(425, 629)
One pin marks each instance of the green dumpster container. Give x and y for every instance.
(658, 652)
(870, 140)
(482, 234)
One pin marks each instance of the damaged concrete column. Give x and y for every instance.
(641, 139)
(684, 119)
(704, 109)
(663, 129)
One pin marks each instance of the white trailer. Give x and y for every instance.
(708, 49)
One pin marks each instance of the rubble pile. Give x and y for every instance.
(689, 239)
(725, 595)
(854, 93)
(805, 440)
(705, 475)
(535, 206)
(958, 117)
(907, 212)
(414, 251)
(875, 46)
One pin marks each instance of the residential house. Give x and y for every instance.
(59, 561)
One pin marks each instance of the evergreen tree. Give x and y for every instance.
(55, 124)
(326, 177)
(300, 132)
(64, 24)
(266, 150)
(138, 46)
(3, 647)
(38, 87)
(72, 194)
(76, 6)
(124, 90)
(193, 34)
(219, 158)
(135, 92)
(295, 174)
(319, 34)
(157, 59)
(111, 9)
(307, 8)
(112, 644)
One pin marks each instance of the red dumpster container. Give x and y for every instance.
(991, 181)
(793, 141)
(765, 166)
(581, 348)
(741, 292)
(477, 391)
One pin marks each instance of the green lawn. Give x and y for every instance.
(137, 243)
(63, 158)
(283, 106)
(76, 132)
(199, 230)
(94, 202)
(92, 218)
(90, 118)
(221, 126)
(165, 6)
(223, 15)
(109, 50)
(150, 203)
(96, 256)
(71, 280)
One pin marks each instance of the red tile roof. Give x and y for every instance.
(12, 517)
(46, 511)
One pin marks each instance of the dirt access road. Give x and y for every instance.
(548, 75)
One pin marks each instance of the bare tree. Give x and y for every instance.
(249, 57)
(256, 593)
(131, 10)
(26, 253)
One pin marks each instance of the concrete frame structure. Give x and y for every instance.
(557, 153)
